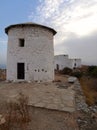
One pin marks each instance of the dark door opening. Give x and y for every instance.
(57, 67)
(20, 70)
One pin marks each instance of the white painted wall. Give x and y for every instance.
(63, 61)
(37, 54)
(75, 63)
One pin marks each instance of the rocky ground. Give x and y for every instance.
(52, 106)
(87, 115)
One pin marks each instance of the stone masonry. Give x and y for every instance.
(30, 46)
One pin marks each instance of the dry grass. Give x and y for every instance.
(17, 114)
(89, 86)
(61, 78)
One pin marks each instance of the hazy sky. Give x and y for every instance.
(74, 20)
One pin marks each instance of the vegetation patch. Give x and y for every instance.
(66, 71)
(17, 114)
(87, 76)
(89, 86)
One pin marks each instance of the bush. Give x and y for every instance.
(77, 74)
(67, 71)
(92, 71)
(17, 114)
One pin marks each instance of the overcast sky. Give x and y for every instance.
(74, 20)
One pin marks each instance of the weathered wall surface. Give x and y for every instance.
(76, 62)
(37, 53)
(63, 61)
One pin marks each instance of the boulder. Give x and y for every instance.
(72, 79)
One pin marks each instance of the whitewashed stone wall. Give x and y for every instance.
(75, 63)
(62, 61)
(37, 53)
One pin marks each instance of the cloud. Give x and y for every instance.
(78, 16)
(72, 19)
(80, 47)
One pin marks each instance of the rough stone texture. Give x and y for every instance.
(37, 53)
(86, 116)
(80, 98)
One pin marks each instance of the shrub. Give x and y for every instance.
(67, 71)
(92, 71)
(17, 113)
(77, 74)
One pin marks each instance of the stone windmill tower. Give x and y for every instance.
(30, 53)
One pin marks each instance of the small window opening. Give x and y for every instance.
(42, 69)
(35, 70)
(21, 42)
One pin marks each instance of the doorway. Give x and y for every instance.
(20, 71)
(57, 66)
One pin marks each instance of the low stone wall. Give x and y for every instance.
(80, 98)
(86, 116)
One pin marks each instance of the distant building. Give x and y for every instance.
(62, 61)
(30, 54)
(75, 63)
